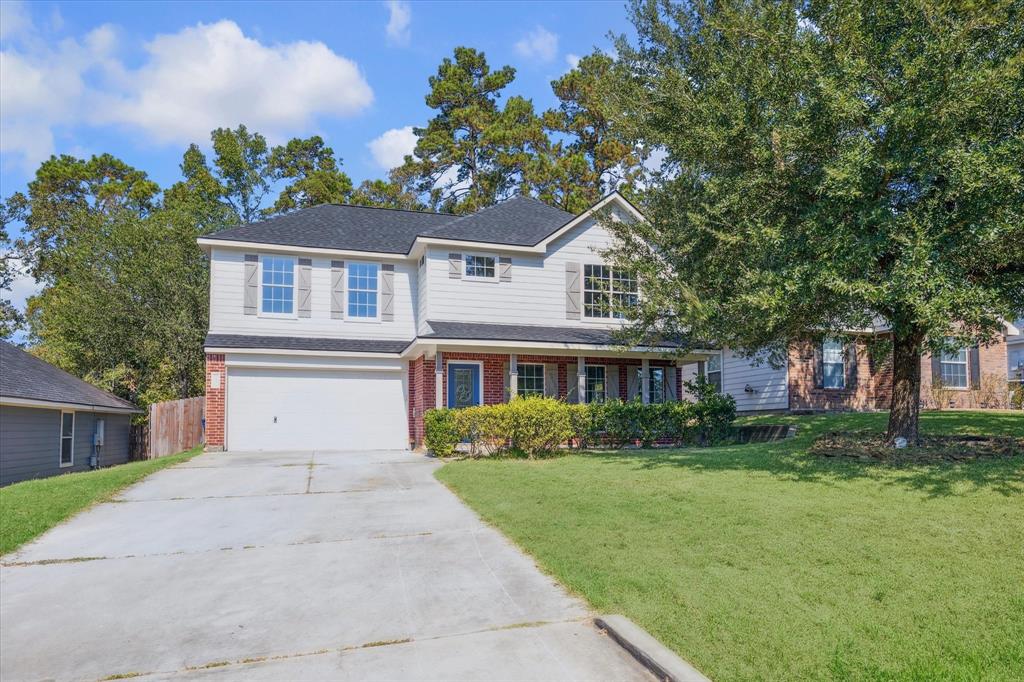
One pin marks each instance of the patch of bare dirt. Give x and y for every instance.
(872, 448)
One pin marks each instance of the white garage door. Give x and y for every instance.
(276, 409)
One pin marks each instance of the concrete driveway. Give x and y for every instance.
(291, 566)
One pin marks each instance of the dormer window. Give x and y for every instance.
(481, 267)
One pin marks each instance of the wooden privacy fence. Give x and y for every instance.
(174, 426)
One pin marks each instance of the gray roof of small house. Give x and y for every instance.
(23, 375)
(305, 343)
(526, 333)
(519, 221)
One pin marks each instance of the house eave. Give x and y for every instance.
(13, 401)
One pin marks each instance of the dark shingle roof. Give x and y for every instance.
(520, 221)
(23, 375)
(305, 343)
(526, 333)
(334, 226)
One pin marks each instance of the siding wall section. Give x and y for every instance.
(30, 442)
(770, 389)
(227, 292)
(536, 294)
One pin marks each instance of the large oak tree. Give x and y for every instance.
(833, 165)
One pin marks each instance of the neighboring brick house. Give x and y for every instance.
(832, 376)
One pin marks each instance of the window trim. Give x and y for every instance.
(60, 440)
(349, 317)
(519, 374)
(294, 314)
(842, 375)
(479, 382)
(650, 384)
(610, 317)
(967, 369)
(479, 278)
(586, 382)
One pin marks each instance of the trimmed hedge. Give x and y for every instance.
(539, 426)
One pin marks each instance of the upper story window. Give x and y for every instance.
(596, 386)
(833, 364)
(530, 380)
(954, 368)
(713, 372)
(362, 290)
(481, 267)
(607, 291)
(278, 279)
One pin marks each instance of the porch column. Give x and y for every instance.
(438, 381)
(645, 381)
(581, 379)
(513, 376)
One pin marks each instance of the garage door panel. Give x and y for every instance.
(276, 409)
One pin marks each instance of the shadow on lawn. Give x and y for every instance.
(790, 460)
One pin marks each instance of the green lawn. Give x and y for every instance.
(31, 508)
(761, 562)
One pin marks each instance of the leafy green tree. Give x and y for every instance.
(590, 159)
(473, 153)
(836, 164)
(11, 319)
(241, 160)
(312, 173)
(386, 194)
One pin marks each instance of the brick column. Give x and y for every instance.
(216, 391)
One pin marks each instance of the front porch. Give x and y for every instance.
(460, 377)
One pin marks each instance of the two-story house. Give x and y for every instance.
(338, 327)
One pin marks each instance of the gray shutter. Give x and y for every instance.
(573, 384)
(572, 291)
(851, 365)
(505, 268)
(305, 287)
(337, 289)
(454, 266)
(387, 292)
(551, 380)
(670, 384)
(251, 283)
(612, 381)
(508, 382)
(632, 382)
(936, 370)
(974, 363)
(819, 367)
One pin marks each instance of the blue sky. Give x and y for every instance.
(142, 80)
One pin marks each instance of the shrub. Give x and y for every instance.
(486, 427)
(581, 423)
(537, 426)
(1017, 401)
(441, 431)
(712, 414)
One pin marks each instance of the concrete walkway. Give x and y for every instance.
(294, 566)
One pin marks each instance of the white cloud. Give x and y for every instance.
(390, 149)
(540, 44)
(212, 75)
(14, 19)
(202, 77)
(400, 16)
(22, 287)
(573, 60)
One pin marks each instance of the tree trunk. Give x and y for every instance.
(906, 387)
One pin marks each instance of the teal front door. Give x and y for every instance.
(463, 384)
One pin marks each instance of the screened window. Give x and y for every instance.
(657, 391)
(67, 438)
(596, 387)
(713, 372)
(480, 266)
(278, 285)
(954, 369)
(833, 364)
(531, 380)
(362, 290)
(607, 292)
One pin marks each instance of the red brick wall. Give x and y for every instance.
(874, 381)
(991, 362)
(215, 402)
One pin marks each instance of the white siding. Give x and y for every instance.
(423, 311)
(770, 386)
(227, 316)
(536, 294)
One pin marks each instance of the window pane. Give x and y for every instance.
(834, 375)
(596, 291)
(715, 379)
(595, 384)
(67, 424)
(362, 290)
(65, 451)
(278, 285)
(480, 266)
(530, 380)
(714, 364)
(657, 385)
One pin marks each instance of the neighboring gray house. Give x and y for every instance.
(52, 423)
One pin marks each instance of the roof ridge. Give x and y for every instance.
(385, 208)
